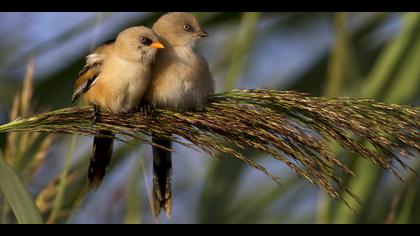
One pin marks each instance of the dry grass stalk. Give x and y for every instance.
(292, 127)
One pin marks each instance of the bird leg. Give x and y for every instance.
(97, 113)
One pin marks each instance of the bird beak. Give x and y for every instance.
(157, 44)
(202, 34)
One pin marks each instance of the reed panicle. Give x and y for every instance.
(289, 126)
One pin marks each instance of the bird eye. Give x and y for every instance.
(187, 27)
(145, 41)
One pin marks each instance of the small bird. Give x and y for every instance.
(115, 79)
(181, 80)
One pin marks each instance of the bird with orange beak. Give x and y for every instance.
(181, 81)
(115, 79)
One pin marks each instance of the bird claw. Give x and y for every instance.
(145, 109)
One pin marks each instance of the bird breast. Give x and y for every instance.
(181, 80)
(121, 85)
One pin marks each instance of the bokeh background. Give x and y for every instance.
(371, 55)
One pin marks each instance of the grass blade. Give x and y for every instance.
(134, 199)
(369, 173)
(241, 48)
(409, 200)
(337, 68)
(20, 200)
(388, 60)
(220, 177)
(63, 180)
(407, 79)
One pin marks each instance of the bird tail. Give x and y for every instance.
(162, 172)
(100, 159)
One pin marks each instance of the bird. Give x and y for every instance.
(114, 80)
(181, 81)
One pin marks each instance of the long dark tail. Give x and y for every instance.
(100, 159)
(162, 172)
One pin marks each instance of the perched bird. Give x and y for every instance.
(181, 80)
(115, 79)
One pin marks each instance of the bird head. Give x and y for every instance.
(179, 29)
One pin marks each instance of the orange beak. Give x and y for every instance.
(157, 44)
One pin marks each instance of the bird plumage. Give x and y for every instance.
(114, 79)
(181, 80)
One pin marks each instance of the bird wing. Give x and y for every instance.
(90, 71)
